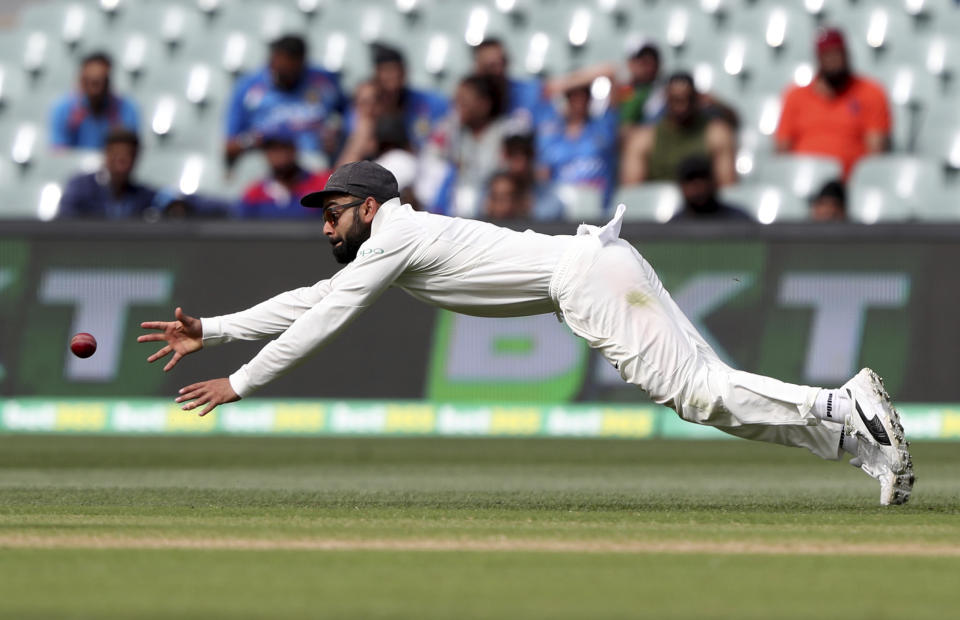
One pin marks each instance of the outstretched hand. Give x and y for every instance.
(210, 393)
(183, 337)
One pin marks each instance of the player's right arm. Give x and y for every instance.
(267, 318)
(189, 334)
(182, 337)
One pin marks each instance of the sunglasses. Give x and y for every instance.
(332, 213)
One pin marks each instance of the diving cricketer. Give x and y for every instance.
(595, 282)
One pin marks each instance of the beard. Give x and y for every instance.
(837, 80)
(350, 244)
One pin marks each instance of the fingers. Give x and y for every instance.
(154, 324)
(206, 394)
(192, 387)
(198, 398)
(182, 316)
(151, 337)
(185, 396)
(159, 354)
(173, 361)
(201, 400)
(190, 323)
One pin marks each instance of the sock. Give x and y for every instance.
(848, 443)
(832, 405)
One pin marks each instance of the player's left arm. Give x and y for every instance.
(379, 263)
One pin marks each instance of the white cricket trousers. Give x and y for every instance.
(611, 297)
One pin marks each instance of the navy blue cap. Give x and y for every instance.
(360, 179)
(281, 134)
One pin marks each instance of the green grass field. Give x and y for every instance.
(97, 527)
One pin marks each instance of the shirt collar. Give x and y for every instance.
(384, 213)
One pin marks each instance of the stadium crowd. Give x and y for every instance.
(500, 148)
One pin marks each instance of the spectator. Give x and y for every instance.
(578, 148)
(522, 100)
(699, 191)
(110, 192)
(838, 114)
(519, 159)
(393, 152)
(278, 196)
(421, 110)
(83, 119)
(642, 96)
(639, 93)
(286, 94)
(690, 126)
(361, 124)
(464, 151)
(830, 203)
(506, 198)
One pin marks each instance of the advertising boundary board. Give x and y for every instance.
(802, 303)
(362, 418)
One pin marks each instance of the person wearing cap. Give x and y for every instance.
(420, 109)
(839, 114)
(286, 94)
(699, 191)
(279, 195)
(595, 282)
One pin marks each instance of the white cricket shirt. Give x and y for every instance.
(462, 265)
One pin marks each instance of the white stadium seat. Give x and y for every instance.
(184, 172)
(766, 203)
(893, 188)
(649, 202)
(802, 175)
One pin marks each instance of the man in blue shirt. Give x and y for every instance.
(286, 94)
(83, 119)
(579, 147)
(420, 110)
(523, 101)
(110, 192)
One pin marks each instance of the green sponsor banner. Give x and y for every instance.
(808, 306)
(391, 418)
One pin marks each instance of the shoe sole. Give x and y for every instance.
(894, 445)
(901, 479)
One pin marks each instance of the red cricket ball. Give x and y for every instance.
(83, 344)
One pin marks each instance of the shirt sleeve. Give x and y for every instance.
(266, 318)
(379, 263)
(59, 132)
(786, 127)
(131, 115)
(72, 200)
(237, 121)
(878, 111)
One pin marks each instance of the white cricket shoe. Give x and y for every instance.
(882, 451)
